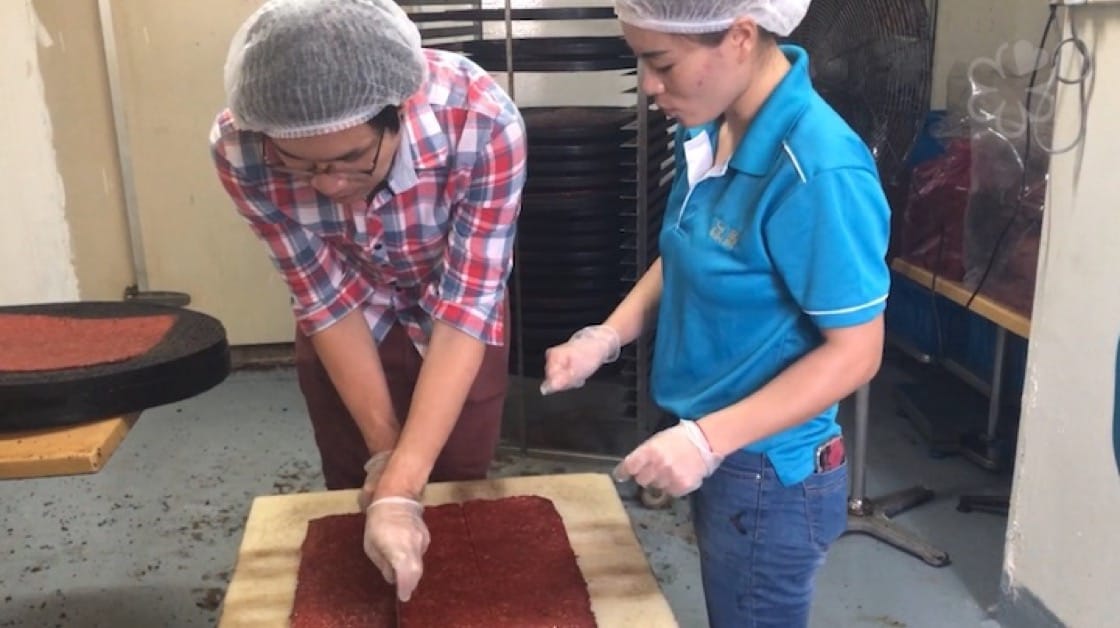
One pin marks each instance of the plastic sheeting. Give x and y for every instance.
(974, 212)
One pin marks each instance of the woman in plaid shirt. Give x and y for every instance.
(385, 181)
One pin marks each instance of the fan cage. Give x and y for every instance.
(872, 61)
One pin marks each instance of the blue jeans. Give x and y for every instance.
(762, 543)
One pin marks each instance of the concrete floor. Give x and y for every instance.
(151, 539)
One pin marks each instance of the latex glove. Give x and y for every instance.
(675, 460)
(396, 538)
(570, 364)
(374, 467)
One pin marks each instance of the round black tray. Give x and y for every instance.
(555, 48)
(550, 54)
(559, 259)
(484, 15)
(543, 167)
(658, 154)
(596, 125)
(541, 223)
(533, 239)
(560, 273)
(550, 222)
(537, 310)
(573, 199)
(590, 150)
(192, 358)
(585, 181)
(530, 64)
(497, 64)
(565, 287)
(565, 297)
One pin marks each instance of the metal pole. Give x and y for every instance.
(934, 22)
(519, 331)
(124, 146)
(997, 383)
(859, 445)
(509, 49)
(641, 371)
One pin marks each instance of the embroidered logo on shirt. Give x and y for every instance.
(723, 235)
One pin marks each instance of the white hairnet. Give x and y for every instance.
(710, 16)
(307, 67)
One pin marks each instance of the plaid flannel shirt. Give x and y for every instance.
(437, 240)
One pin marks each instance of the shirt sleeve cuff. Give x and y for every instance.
(323, 316)
(482, 323)
(849, 316)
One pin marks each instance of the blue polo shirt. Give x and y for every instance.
(760, 254)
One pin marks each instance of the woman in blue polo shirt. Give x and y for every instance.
(767, 300)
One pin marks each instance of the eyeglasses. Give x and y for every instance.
(330, 168)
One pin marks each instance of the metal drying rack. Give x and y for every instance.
(648, 169)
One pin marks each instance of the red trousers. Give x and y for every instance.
(472, 442)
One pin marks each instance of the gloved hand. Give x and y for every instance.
(570, 364)
(675, 460)
(374, 468)
(395, 540)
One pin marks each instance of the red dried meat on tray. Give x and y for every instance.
(39, 342)
(338, 586)
(449, 587)
(503, 563)
(522, 546)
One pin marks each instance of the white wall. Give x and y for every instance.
(35, 257)
(1064, 530)
(972, 29)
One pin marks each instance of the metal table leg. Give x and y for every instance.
(873, 516)
(984, 449)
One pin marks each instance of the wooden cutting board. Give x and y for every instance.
(68, 450)
(623, 590)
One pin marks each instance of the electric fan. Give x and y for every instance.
(871, 60)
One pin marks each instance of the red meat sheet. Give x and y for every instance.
(337, 585)
(492, 563)
(37, 342)
(449, 587)
(522, 546)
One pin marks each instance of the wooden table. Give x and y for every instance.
(69, 450)
(621, 584)
(994, 311)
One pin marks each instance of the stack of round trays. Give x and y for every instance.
(578, 200)
(550, 54)
(570, 233)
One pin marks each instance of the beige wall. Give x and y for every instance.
(62, 219)
(171, 60)
(1063, 541)
(77, 96)
(35, 263)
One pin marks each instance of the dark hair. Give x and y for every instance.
(389, 119)
(711, 40)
